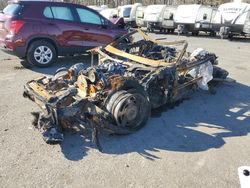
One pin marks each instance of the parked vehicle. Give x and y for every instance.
(112, 15)
(153, 17)
(194, 18)
(139, 17)
(98, 8)
(168, 19)
(128, 13)
(232, 19)
(41, 31)
(109, 13)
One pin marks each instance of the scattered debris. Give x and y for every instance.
(7, 59)
(118, 94)
(19, 67)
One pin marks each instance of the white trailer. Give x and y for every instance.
(153, 17)
(128, 13)
(168, 19)
(232, 19)
(109, 13)
(194, 18)
(98, 8)
(139, 17)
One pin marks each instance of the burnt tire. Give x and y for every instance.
(41, 53)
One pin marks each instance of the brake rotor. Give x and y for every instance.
(128, 109)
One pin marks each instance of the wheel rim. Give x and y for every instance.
(128, 109)
(129, 112)
(43, 54)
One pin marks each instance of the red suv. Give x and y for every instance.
(41, 31)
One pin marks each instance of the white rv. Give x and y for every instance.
(153, 17)
(194, 18)
(98, 8)
(109, 13)
(168, 19)
(139, 17)
(128, 12)
(232, 19)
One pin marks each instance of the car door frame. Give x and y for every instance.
(68, 41)
(99, 35)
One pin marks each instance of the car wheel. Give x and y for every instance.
(195, 33)
(230, 36)
(41, 53)
(212, 34)
(130, 109)
(129, 105)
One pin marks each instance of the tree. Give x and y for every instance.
(3, 3)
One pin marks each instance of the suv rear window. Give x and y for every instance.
(12, 9)
(61, 13)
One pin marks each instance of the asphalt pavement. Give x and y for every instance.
(200, 143)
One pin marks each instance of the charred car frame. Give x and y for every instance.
(118, 94)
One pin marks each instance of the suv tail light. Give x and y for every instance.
(16, 26)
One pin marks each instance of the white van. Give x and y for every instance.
(194, 18)
(232, 19)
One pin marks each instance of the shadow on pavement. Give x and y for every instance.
(76, 145)
(198, 124)
(65, 62)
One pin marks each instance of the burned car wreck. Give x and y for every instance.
(118, 94)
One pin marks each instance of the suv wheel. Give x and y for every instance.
(41, 53)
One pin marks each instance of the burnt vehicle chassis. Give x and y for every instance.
(118, 94)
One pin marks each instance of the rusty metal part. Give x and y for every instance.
(92, 90)
(116, 82)
(82, 86)
(141, 60)
(92, 76)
